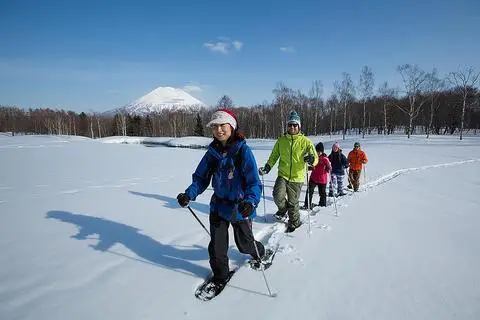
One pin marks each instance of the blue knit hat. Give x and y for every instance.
(294, 118)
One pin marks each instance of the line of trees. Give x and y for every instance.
(425, 104)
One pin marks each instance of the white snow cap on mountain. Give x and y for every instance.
(162, 98)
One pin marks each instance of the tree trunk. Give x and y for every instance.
(410, 122)
(364, 118)
(384, 117)
(91, 127)
(463, 115)
(331, 123)
(99, 129)
(344, 119)
(429, 128)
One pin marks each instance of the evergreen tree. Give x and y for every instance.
(198, 130)
(83, 124)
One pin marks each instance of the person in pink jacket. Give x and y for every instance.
(318, 178)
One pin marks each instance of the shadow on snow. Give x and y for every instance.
(145, 248)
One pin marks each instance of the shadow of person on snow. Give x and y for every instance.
(172, 202)
(144, 247)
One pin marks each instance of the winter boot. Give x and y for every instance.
(280, 216)
(292, 226)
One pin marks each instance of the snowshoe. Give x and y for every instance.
(209, 289)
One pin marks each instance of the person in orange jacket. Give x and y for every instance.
(356, 159)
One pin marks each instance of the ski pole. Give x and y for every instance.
(308, 202)
(264, 204)
(334, 197)
(198, 219)
(335, 202)
(365, 174)
(249, 222)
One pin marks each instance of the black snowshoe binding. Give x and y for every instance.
(209, 289)
(266, 260)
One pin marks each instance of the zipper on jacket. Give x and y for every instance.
(291, 159)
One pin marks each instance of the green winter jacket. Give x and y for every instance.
(291, 150)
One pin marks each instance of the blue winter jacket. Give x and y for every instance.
(230, 184)
(339, 162)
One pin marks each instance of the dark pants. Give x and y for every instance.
(354, 178)
(218, 246)
(322, 190)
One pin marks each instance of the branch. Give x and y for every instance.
(402, 109)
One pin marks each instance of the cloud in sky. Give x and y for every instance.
(237, 44)
(288, 49)
(219, 46)
(192, 88)
(223, 45)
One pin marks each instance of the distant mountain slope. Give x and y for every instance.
(160, 99)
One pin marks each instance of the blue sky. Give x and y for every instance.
(97, 55)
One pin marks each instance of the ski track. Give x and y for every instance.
(273, 234)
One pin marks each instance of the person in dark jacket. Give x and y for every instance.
(236, 193)
(339, 164)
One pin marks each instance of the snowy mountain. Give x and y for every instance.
(161, 98)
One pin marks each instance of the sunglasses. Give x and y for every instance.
(292, 124)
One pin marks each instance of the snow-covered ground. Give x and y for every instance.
(92, 230)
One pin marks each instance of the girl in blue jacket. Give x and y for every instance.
(231, 167)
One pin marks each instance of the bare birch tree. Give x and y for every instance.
(414, 81)
(464, 80)
(387, 94)
(225, 102)
(316, 103)
(332, 103)
(433, 87)
(346, 94)
(365, 89)
(284, 100)
(122, 122)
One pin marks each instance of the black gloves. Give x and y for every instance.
(183, 199)
(309, 158)
(245, 208)
(264, 170)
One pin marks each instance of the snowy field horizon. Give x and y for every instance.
(91, 229)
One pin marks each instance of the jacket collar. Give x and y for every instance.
(217, 150)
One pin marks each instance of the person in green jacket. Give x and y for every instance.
(295, 151)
